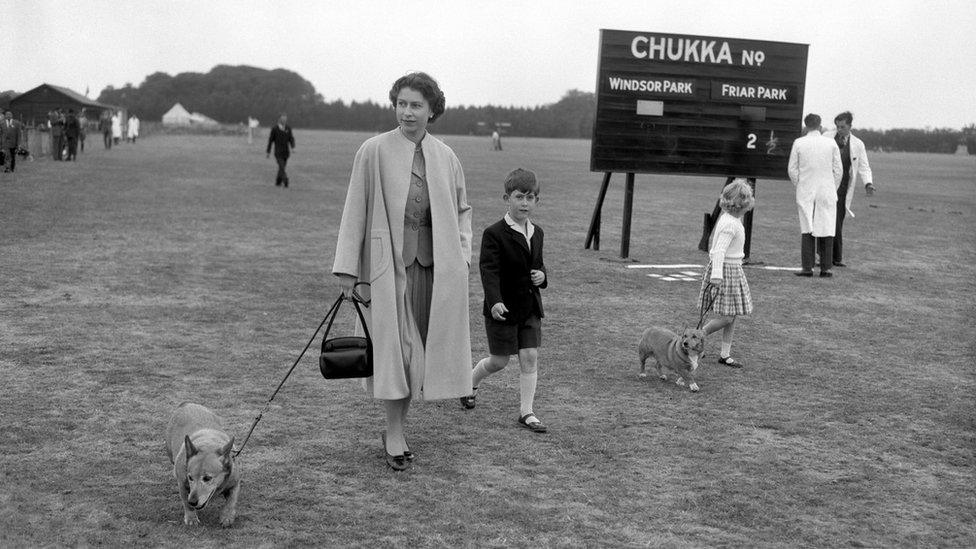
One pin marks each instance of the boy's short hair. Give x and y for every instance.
(737, 197)
(812, 120)
(521, 180)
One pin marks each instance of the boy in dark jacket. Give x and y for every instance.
(281, 137)
(512, 273)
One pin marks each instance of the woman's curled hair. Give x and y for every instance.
(427, 87)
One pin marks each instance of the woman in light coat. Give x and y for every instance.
(406, 230)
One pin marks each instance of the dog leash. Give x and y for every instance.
(707, 301)
(267, 405)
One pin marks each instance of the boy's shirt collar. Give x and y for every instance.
(527, 232)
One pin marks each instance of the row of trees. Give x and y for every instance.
(937, 140)
(230, 94)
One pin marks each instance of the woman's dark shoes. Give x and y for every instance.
(529, 421)
(397, 463)
(730, 362)
(804, 273)
(826, 274)
(839, 264)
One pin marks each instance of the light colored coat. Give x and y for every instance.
(860, 168)
(370, 247)
(816, 171)
(133, 127)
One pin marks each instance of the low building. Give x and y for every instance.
(32, 107)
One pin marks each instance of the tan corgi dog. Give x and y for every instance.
(674, 353)
(203, 462)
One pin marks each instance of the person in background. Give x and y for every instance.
(82, 129)
(71, 131)
(406, 230)
(105, 126)
(496, 140)
(281, 138)
(133, 131)
(854, 160)
(116, 127)
(815, 169)
(57, 134)
(10, 140)
(3, 154)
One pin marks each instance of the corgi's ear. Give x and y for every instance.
(191, 450)
(225, 451)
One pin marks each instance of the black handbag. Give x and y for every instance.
(350, 356)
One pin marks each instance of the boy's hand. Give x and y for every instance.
(538, 277)
(498, 311)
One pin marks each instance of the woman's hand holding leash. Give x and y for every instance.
(538, 277)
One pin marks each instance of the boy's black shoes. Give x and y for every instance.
(467, 402)
(535, 426)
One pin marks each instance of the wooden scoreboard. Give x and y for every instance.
(693, 105)
(696, 105)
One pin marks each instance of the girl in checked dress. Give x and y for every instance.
(724, 269)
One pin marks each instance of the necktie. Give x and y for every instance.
(419, 167)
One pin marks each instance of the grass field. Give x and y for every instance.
(174, 270)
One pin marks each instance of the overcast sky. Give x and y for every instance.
(894, 63)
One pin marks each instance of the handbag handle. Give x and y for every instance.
(356, 300)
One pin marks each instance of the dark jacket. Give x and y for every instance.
(281, 139)
(505, 263)
(71, 127)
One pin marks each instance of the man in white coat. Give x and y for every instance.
(815, 169)
(854, 159)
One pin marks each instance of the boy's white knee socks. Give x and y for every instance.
(527, 383)
(479, 373)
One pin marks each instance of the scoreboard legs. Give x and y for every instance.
(593, 234)
(628, 213)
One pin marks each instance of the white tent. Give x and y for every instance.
(177, 116)
(198, 119)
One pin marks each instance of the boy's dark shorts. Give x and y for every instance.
(507, 339)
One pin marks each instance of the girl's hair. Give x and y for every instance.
(427, 87)
(737, 197)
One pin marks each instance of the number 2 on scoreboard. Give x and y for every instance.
(751, 141)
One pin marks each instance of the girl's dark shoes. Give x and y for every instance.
(730, 362)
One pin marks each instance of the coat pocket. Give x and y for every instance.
(381, 256)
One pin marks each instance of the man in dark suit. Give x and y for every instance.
(281, 138)
(10, 141)
(512, 273)
(72, 130)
